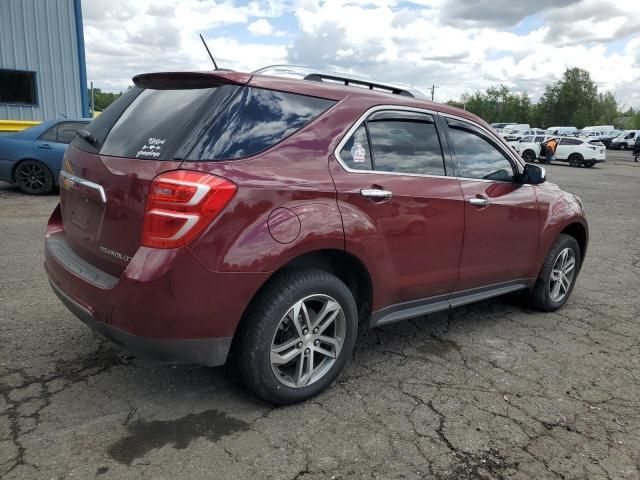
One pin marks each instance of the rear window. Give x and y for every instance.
(149, 127)
(218, 123)
(254, 120)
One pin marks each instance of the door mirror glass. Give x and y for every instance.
(534, 174)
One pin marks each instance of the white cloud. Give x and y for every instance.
(260, 27)
(419, 42)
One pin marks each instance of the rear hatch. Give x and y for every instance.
(108, 169)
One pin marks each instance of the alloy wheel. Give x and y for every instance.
(32, 177)
(308, 341)
(562, 274)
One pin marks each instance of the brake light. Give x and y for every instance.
(180, 204)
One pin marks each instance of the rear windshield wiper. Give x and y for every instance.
(88, 136)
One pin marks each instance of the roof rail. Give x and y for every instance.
(306, 73)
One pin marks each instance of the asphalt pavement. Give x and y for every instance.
(491, 390)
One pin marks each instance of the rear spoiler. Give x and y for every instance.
(186, 80)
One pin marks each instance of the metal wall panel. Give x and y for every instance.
(41, 36)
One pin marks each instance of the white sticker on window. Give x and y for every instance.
(358, 153)
(152, 148)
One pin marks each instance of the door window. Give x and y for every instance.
(355, 153)
(406, 146)
(570, 141)
(476, 156)
(50, 135)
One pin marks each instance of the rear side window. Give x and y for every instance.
(254, 120)
(406, 147)
(64, 132)
(570, 141)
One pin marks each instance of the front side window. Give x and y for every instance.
(406, 146)
(17, 86)
(475, 156)
(355, 154)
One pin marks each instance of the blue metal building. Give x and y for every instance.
(42, 64)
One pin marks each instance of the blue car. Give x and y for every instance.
(31, 159)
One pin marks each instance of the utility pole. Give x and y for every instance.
(433, 92)
(93, 101)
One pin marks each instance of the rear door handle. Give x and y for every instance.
(479, 202)
(375, 193)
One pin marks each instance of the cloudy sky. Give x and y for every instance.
(458, 45)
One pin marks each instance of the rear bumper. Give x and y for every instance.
(203, 351)
(165, 304)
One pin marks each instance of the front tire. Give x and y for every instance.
(558, 275)
(34, 178)
(297, 336)
(529, 156)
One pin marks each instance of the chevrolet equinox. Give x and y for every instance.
(224, 215)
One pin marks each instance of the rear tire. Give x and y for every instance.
(33, 178)
(575, 159)
(589, 164)
(281, 347)
(556, 280)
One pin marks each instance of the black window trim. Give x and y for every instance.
(516, 163)
(397, 108)
(36, 101)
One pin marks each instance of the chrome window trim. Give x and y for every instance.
(378, 108)
(85, 183)
(362, 119)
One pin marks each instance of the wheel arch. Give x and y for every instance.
(579, 232)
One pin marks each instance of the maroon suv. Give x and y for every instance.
(209, 215)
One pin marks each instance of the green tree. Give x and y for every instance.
(103, 99)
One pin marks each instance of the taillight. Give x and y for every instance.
(180, 204)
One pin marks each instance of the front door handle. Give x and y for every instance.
(376, 193)
(479, 202)
(45, 146)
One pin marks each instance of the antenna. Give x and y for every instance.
(215, 66)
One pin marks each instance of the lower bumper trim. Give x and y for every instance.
(203, 351)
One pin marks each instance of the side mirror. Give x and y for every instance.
(534, 174)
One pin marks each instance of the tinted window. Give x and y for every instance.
(148, 127)
(526, 139)
(67, 131)
(476, 157)
(254, 120)
(406, 147)
(570, 141)
(539, 139)
(18, 87)
(101, 125)
(355, 154)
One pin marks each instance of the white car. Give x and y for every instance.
(529, 147)
(516, 135)
(625, 140)
(575, 150)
